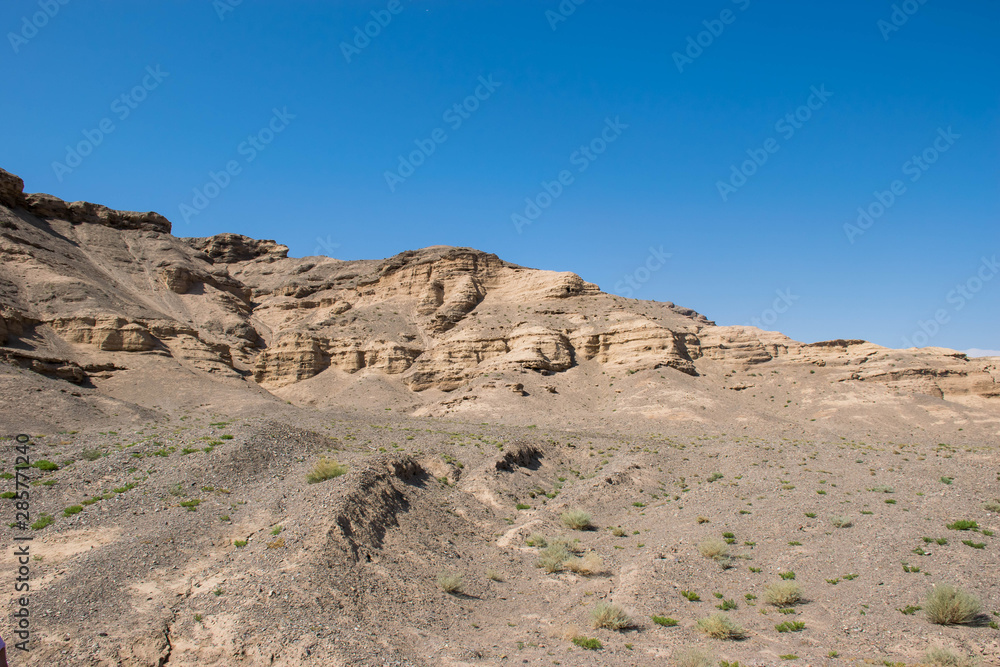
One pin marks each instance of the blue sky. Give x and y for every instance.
(710, 154)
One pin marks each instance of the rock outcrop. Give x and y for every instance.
(80, 280)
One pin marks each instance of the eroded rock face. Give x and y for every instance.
(80, 279)
(109, 334)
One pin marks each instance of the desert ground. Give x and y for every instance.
(441, 458)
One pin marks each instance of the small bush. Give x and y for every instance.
(942, 657)
(577, 520)
(947, 605)
(665, 621)
(325, 469)
(714, 476)
(787, 575)
(841, 522)
(45, 465)
(191, 505)
(42, 522)
(522, 506)
(618, 532)
(493, 575)
(992, 507)
(726, 605)
(588, 564)
(974, 545)
(588, 643)
(72, 509)
(537, 540)
(719, 626)
(240, 543)
(713, 548)
(91, 454)
(691, 596)
(783, 594)
(450, 583)
(609, 616)
(552, 557)
(963, 525)
(693, 658)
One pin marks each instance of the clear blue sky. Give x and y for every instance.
(888, 92)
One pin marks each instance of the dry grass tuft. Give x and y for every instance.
(783, 594)
(325, 469)
(841, 522)
(450, 583)
(692, 657)
(553, 557)
(609, 616)
(577, 520)
(713, 548)
(942, 657)
(537, 540)
(719, 626)
(947, 605)
(588, 564)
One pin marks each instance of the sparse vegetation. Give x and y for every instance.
(691, 596)
(720, 626)
(325, 469)
(536, 540)
(715, 549)
(790, 626)
(450, 582)
(588, 564)
(553, 557)
(693, 658)
(787, 575)
(841, 522)
(609, 616)
(577, 520)
(947, 605)
(588, 643)
(963, 525)
(942, 657)
(665, 621)
(783, 594)
(72, 509)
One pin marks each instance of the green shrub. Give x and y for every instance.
(588, 643)
(72, 509)
(43, 521)
(947, 605)
(974, 545)
(963, 525)
(325, 469)
(790, 626)
(726, 605)
(240, 543)
(787, 575)
(45, 465)
(522, 506)
(191, 505)
(691, 596)
(665, 621)
(91, 454)
(553, 557)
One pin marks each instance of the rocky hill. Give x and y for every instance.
(87, 293)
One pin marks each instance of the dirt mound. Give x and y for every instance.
(369, 506)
